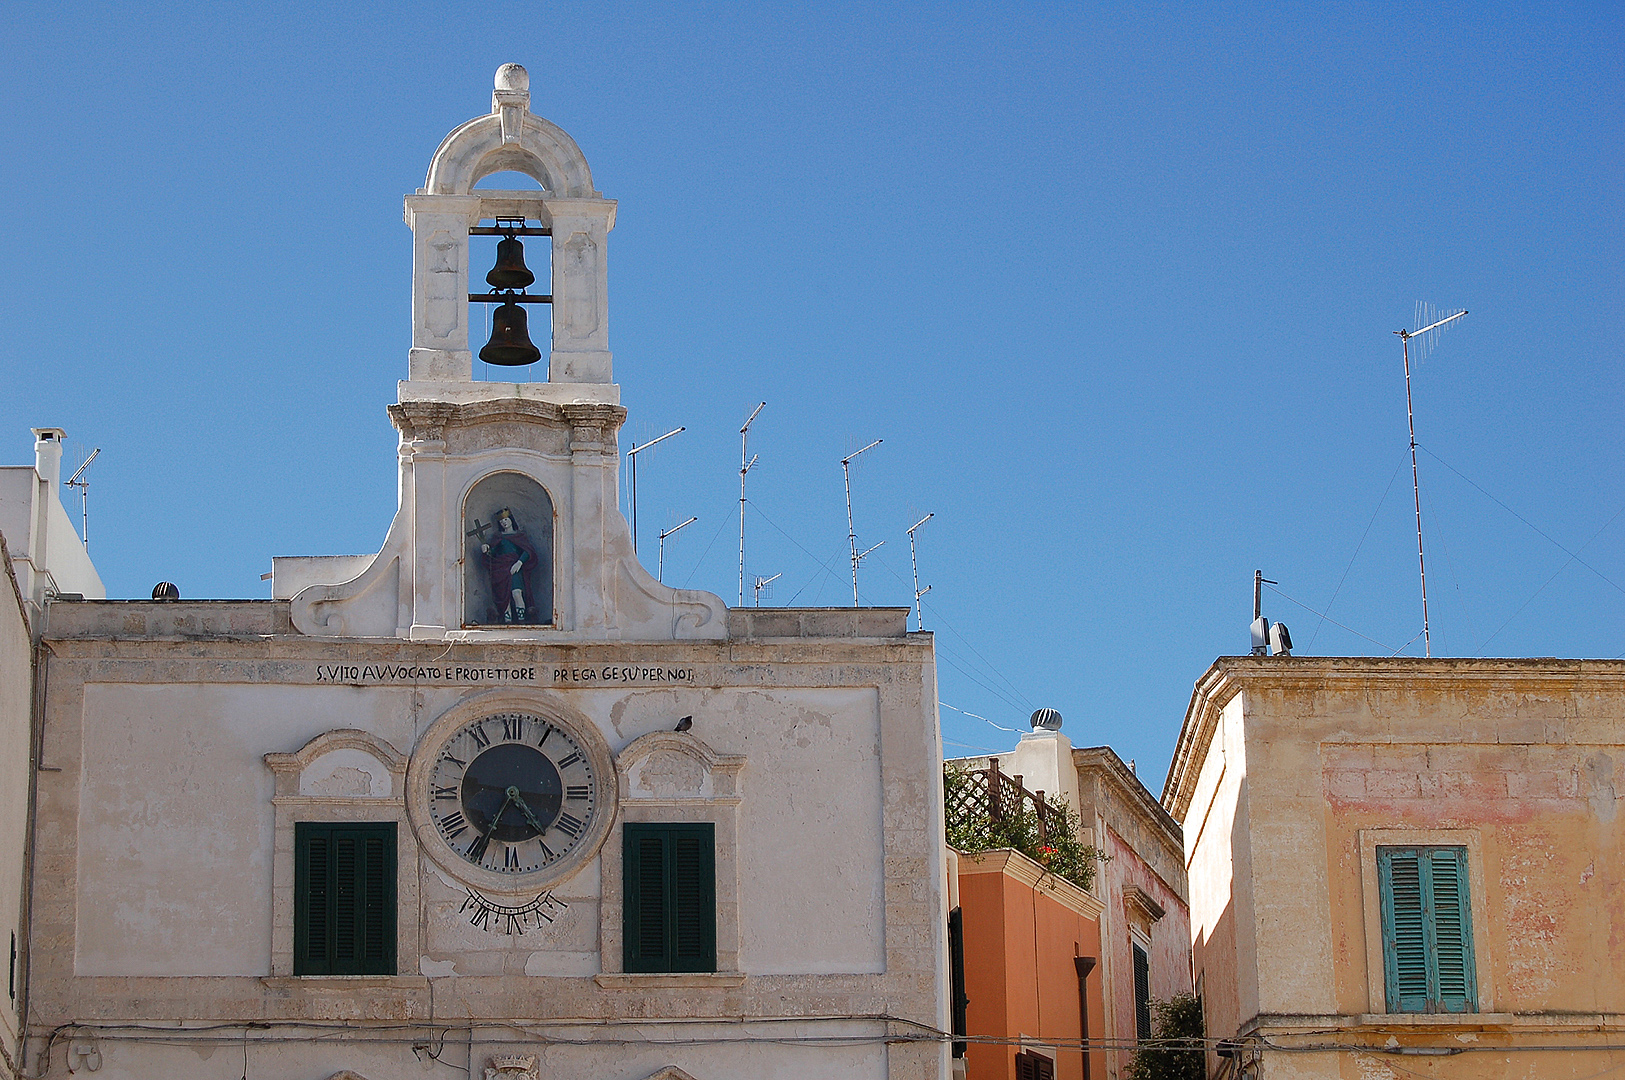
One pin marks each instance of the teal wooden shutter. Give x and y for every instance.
(1457, 988)
(669, 917)
(344, 899)
(1427, 939)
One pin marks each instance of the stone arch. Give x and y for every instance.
(532, 511)
(669, 764)
(540, 149)
(288, 769)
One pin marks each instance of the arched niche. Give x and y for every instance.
(508, 525)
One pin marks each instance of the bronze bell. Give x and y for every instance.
(510, 271)
(510, 338)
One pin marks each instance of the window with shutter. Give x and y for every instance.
(344, 898)
(1142, 994)
(669, 917)
(1427, 936)
(1034, 1066)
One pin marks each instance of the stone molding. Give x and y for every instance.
(719, 782)
(287, 767)
(670, 1072)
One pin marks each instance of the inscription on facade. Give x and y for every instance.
(529, 674)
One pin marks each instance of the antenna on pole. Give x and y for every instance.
(660, 566)
(851, 533)
(764, 582)
(82, 482)
(1426, 338)
(632, 456)
(745, 465)
(913, 561)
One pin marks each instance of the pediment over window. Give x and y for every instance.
(670, 1072)
(668, 765)
(346, 1074)
(341, 764)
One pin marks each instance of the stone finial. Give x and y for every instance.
(512, 77)
(511, 100)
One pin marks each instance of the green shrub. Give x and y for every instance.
(1062, 853)
(1175, 1049)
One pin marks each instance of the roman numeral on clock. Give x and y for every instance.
(510, 858)
(445, 793)
(578, 791)
(547, 729)
(476, 850)
(570, 825)
(569, 759)
(453, 826)
(513, 728)
(481, 739)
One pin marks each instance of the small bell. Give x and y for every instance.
(510, 271)
(510, 337)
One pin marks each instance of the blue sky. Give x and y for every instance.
(1116, 285)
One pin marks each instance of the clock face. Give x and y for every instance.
(513, 793)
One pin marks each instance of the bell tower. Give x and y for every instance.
(508, 525)
(567, 208)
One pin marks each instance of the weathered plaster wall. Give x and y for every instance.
(16, 762)
(160, 844)
(1521, 762)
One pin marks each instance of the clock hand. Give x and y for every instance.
(485, 841)
(513, 793)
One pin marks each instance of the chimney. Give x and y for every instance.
(48, 456)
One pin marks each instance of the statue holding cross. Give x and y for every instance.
(510, 560)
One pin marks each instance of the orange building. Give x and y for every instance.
(1031, 950)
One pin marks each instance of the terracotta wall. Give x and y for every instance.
(1020, 943)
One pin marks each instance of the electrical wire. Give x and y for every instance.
(1356, 555)
(1334, 622)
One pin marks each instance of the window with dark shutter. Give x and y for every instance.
(1142, 994)
(1427, 934)
(1034, 1066)
(669, 874)
(344, 898)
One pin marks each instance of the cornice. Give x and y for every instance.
(1014, 864)
(1230, 675)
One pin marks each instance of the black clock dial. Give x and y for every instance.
(512, 793)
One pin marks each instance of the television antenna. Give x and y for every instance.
(851, 533)
(660, 566)
(1425, 338)
(632, 457)
(82, 482)
(745, 466)
(762, 583)
(919, 623)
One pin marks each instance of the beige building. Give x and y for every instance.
(1405, 867)
(492, 801)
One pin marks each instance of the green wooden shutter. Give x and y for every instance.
(1427, 937)
(1457, 989)
(669, 917)
(1142, 993)
(344, 898)
(1404, 937)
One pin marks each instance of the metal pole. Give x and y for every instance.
(1416, 490)
(660, 566)
(914, 563)
(744, 468)
(851, 531)
(632, 456)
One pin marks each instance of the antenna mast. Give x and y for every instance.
(919, 623)
(660, 566)
(632, 456)
(82, 482)
(1416, 484)
(745, 465)
(762, 583)
(851, 533)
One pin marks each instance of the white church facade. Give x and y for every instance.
(492, 802)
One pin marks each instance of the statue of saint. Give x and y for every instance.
(510, 560)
